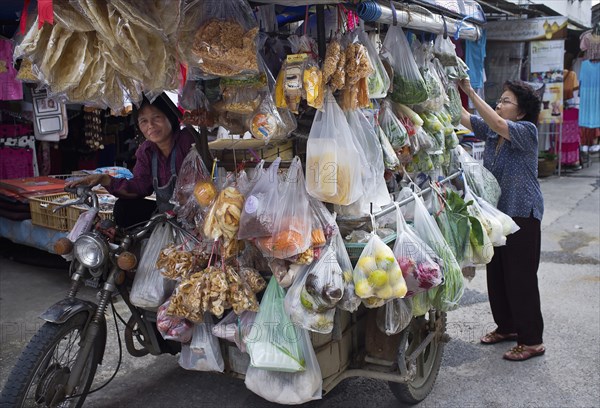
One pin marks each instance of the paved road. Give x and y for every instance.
(472, 375)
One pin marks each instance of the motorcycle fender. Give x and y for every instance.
(62, 310)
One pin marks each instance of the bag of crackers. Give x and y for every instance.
(219, 37)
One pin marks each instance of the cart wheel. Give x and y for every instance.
(427, 364)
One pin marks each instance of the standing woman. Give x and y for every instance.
(511, 154)
(158, 160)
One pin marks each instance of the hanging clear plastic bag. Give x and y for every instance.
(289, 387)
(445, 50)
(390, 159)
(481, 180)
(395, 316)
(377, 274)
(204, 352)
(349, 301)
(198, 110)
(454, 105)
(393, 128)
(331, 156)
(193, 191)
(219, 37)
(235, 328)
(452, 219)
(479, 252)
(258, 214)
(304, 309)
(325, 218)
(408, 86)
(292, 226)
(372, 168)
(274, 342)
(150, 289)
(419, 263)
(173, 327)
(508, 225)
(378, 81)
(446, 296)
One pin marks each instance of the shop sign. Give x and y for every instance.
(532, 29)
(546, 67)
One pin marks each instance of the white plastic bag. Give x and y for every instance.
(331, 172)
(408, 86)
(273, 339)
(150, 289)
(258, 214)
(349, 300)
(419, 263)
(204, 352)
(395, 316)
(446, 296)
(289, 388)
(377, 274)
(481, 180)
(235, 328)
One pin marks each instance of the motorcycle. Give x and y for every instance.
(58, 365)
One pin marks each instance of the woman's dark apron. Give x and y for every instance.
(164, 193)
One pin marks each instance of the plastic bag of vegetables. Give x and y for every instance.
(480, 249)
(379, 81)
(452, 218)
(408, 86)
(481, 180)
(310, 301)
(508, 225)
(377, 274)
(274, 346)
(446, 296)
(419, 263)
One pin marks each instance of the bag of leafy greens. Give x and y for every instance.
(408, 86)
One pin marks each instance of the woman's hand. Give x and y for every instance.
(91, 180)
(465, 85)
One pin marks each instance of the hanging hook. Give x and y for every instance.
(394, 14)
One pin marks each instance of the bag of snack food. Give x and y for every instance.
(220, 37)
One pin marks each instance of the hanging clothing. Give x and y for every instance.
(570, 137)
(11, 89)
(590, 43)
(475, 58)
(589, 136)
(570, 84)
(589, 94)
(16, 162)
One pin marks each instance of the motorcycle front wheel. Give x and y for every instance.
(45, 365)
(428, 362)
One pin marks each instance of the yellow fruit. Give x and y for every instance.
(384, 258)
(378, 278)
(395, 275)
(362, 288)
(385, 292)
(366, 264)
(399, 291)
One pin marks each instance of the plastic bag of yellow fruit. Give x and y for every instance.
(377, 274)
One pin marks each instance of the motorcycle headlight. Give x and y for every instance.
(90, 250)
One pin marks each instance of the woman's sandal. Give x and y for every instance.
(522, 352)
(495, 337)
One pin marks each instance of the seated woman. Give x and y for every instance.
(158, 160)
